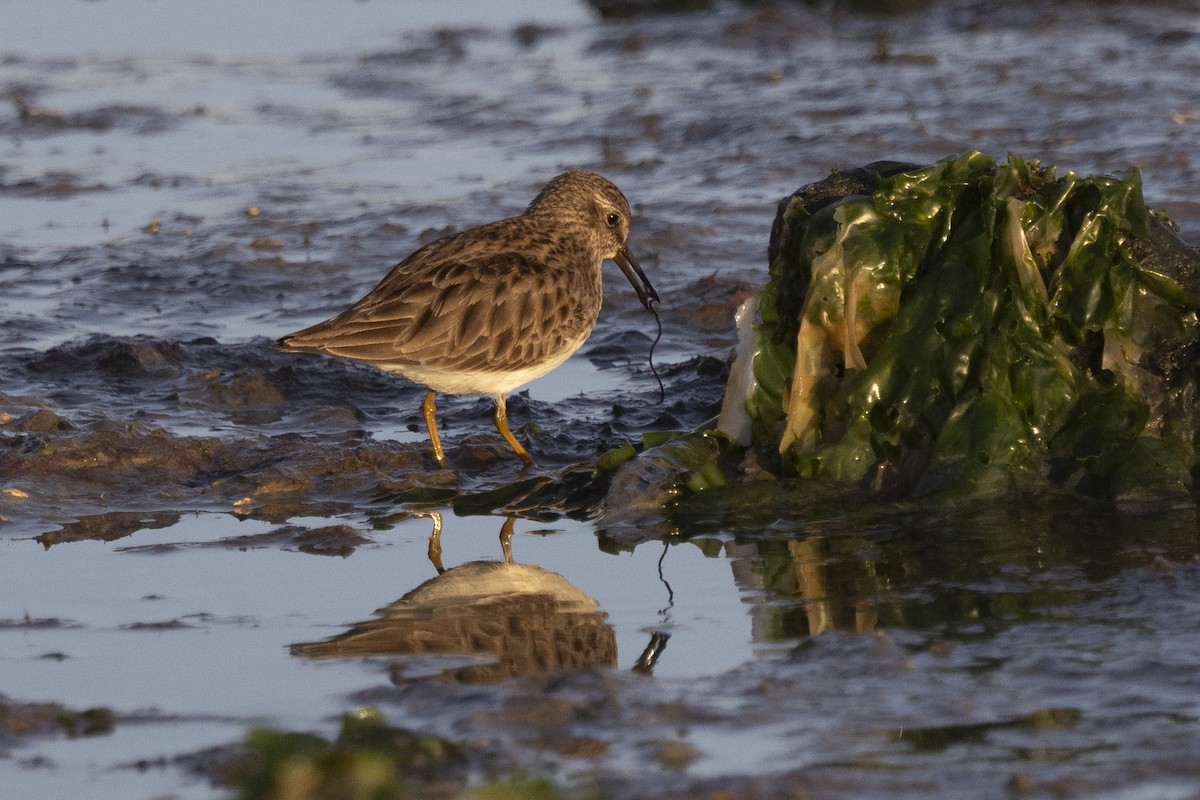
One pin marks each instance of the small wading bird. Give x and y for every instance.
(491, 308)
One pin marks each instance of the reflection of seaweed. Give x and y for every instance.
(831, 601)
(953, 573)
(522, 618)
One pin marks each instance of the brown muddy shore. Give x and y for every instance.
(177, 191)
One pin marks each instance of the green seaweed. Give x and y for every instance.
(90, 722)
(977, 326)
(368, 760)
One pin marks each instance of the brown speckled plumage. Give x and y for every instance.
(491, 308)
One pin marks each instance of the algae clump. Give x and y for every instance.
(975, 325)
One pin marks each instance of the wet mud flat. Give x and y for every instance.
(194, 523)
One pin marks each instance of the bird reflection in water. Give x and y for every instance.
(519, 617)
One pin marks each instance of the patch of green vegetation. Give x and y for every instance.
(90, 722)
(369, 760)
(937, 738)
(516, 789)
(980, 326)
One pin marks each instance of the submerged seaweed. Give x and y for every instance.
(980, 326)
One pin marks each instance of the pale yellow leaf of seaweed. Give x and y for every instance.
(833, 324)
(1021, 254)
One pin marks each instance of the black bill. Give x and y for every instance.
(633, 271)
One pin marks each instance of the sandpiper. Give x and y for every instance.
(491, 308)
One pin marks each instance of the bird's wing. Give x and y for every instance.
(493, 313)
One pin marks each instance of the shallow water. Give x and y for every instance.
(182, 505)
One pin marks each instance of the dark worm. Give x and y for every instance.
(662, 391)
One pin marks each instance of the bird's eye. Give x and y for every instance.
(612, 219)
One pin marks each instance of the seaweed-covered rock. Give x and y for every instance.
(975, 325)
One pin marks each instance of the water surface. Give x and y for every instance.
(183, 506)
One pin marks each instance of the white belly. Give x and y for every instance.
(489, 383)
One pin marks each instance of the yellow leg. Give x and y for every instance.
(435, 539)
(428, 410)
(502, 426)
(506, 534)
